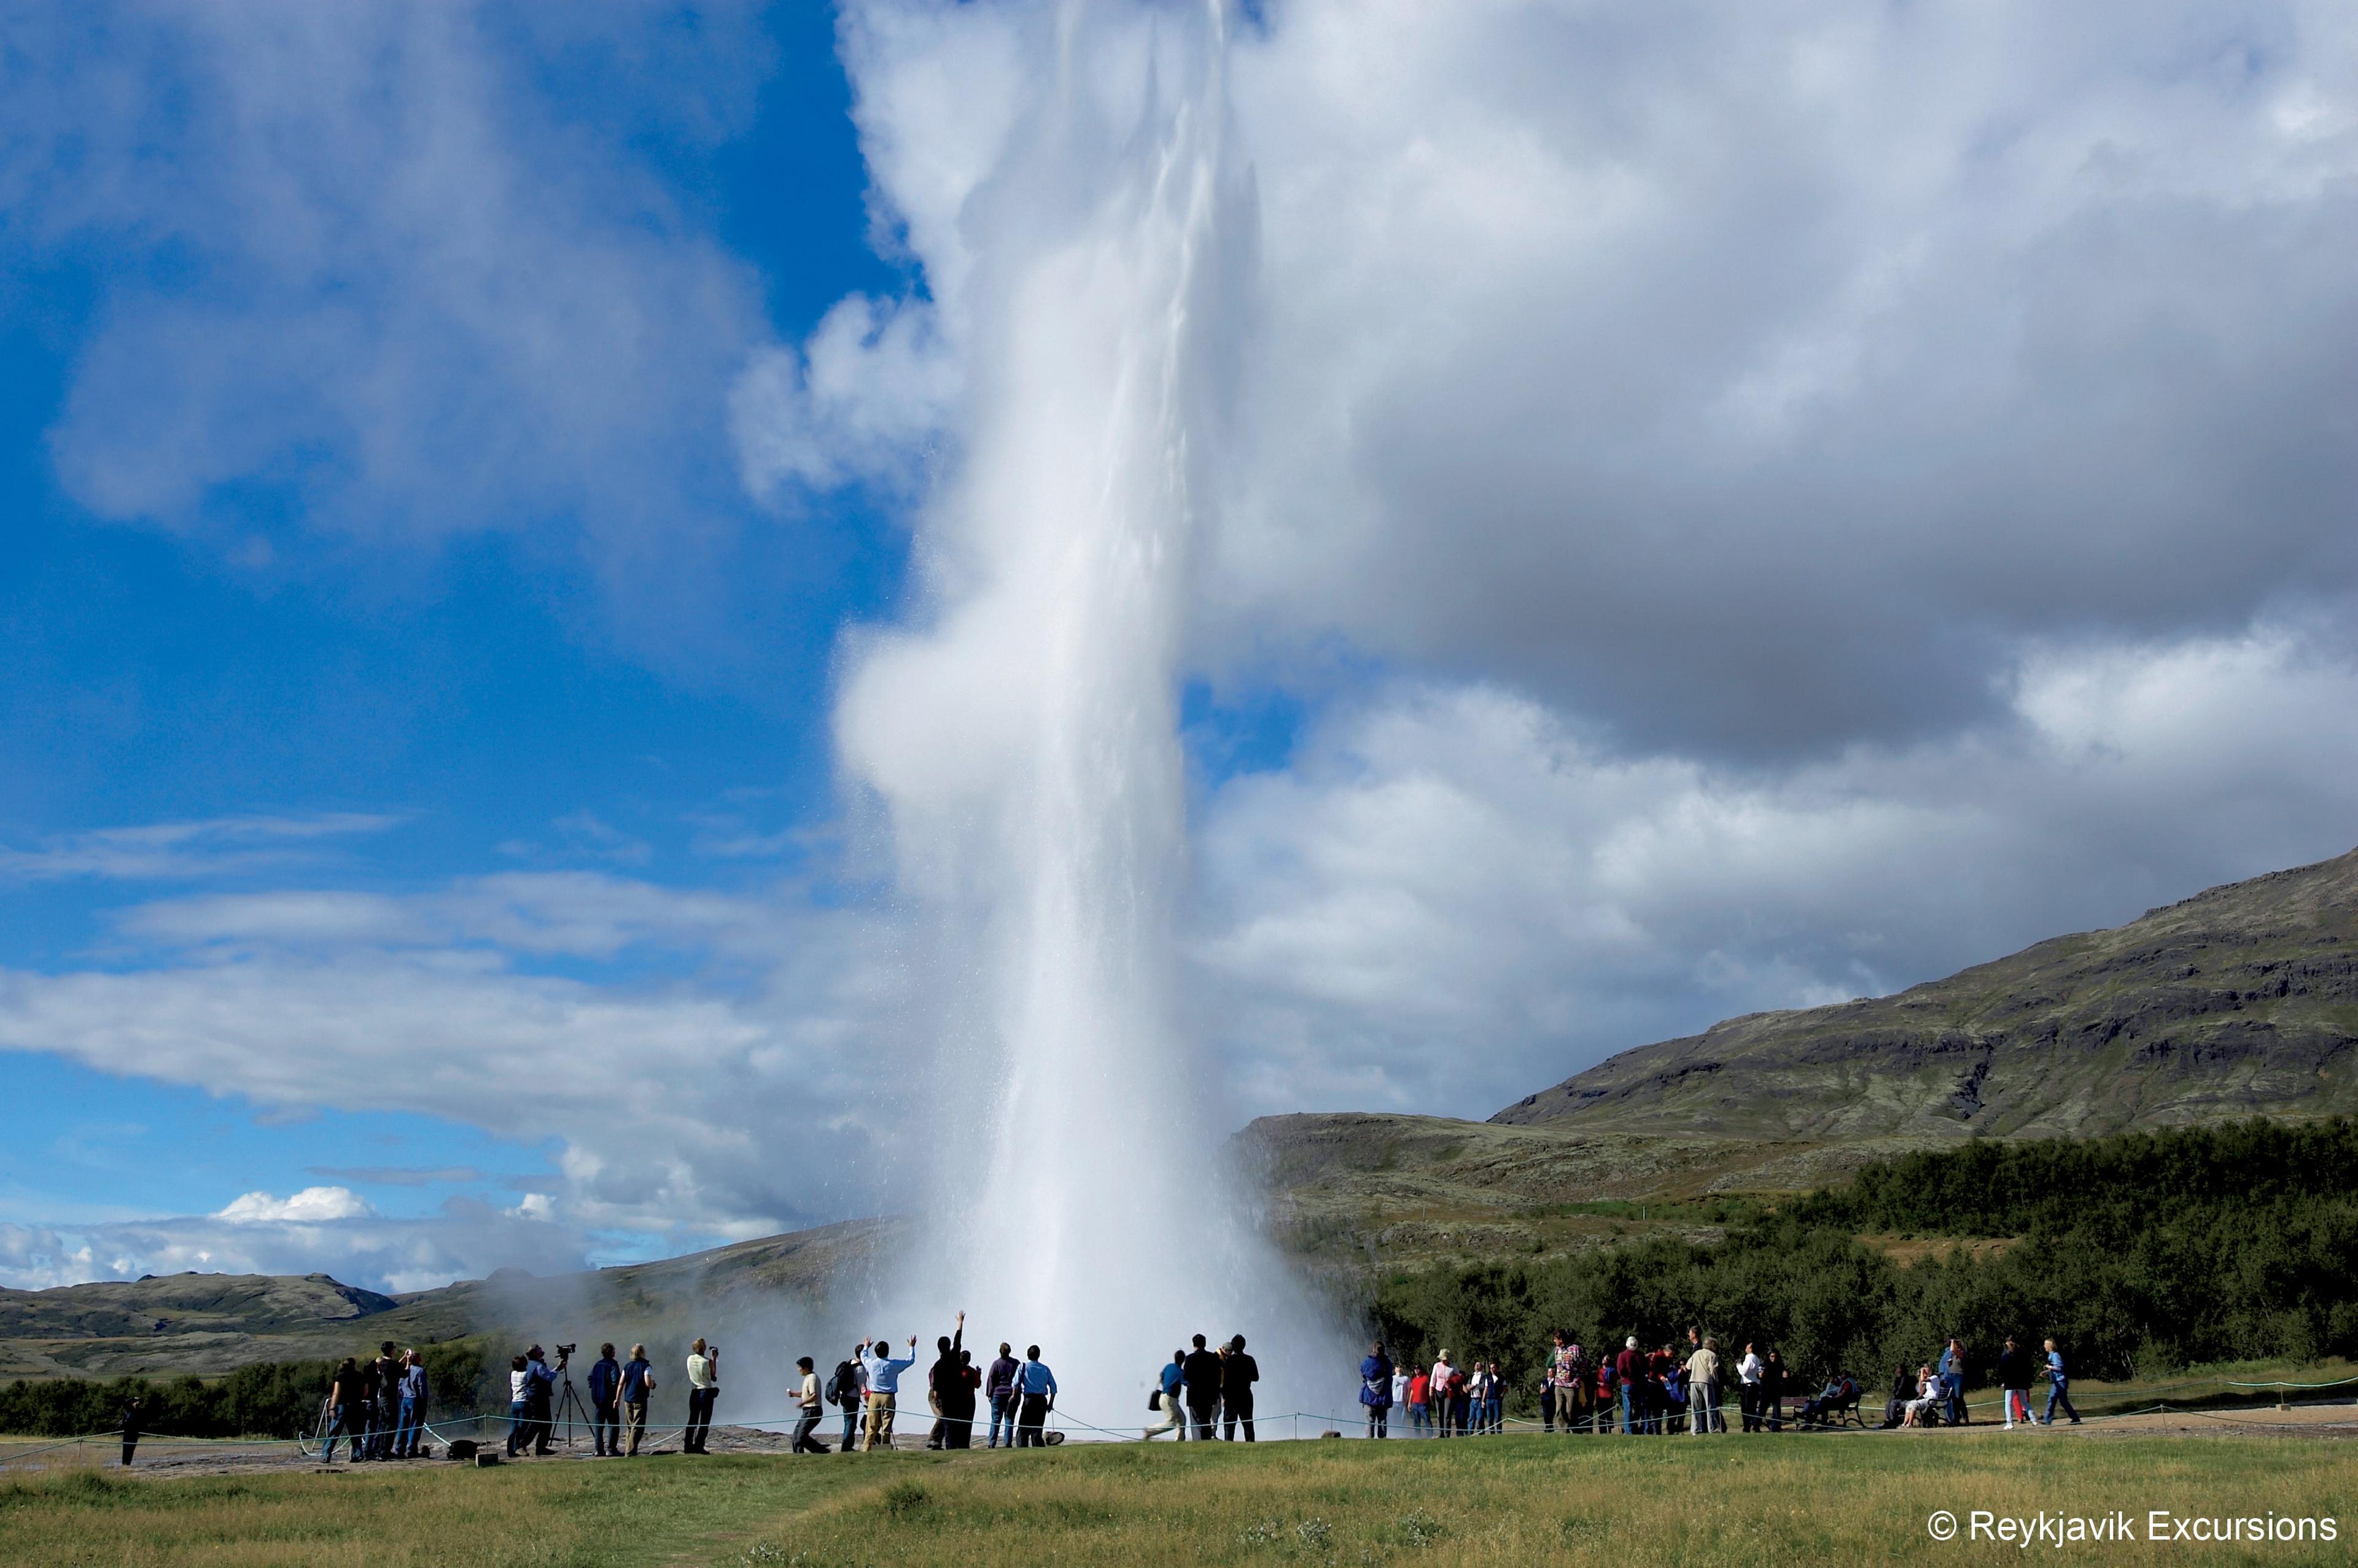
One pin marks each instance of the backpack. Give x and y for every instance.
(840, 1387)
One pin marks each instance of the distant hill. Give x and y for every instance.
(211, 1323)
(2241, 1000)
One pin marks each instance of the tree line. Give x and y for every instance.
(269, 1398)
(2141, 1253)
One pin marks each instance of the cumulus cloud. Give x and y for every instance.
(749, 1082)
(1458, 895)
(406, 270)
(466, 1239)
(311, 1204)
(1751, 379)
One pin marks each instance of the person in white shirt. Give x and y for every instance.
(1747, 1374)
(809, 1407)
(703, 1392)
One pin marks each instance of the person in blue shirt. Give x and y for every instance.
(1952, 1382)
(412, 1407)
(1038, 1386)
(1376, 1389)
(1174, 1377)
(884, 1371)
(2056, 1387)
(539, 1394)
(605, 1404)
(638, 1383)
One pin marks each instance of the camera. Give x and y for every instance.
(564, 1352)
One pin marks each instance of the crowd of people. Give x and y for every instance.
(377, 1406)
(1684, 1389)
(1204, 1394)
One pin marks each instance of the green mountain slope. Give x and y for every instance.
(2238, 1002)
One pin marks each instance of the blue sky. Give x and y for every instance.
(1687, 549)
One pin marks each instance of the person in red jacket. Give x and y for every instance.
(1629, 1375)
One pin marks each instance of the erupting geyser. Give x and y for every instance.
(1025, 734)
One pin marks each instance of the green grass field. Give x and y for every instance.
(1513, 1500)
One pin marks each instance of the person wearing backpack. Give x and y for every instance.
(1376, 1390)
(849, 1390)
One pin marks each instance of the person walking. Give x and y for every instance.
(2014, 1381)
(1748, 1396)
(942, 1372)
(2058, 1391)
(412, 1407)
(638, 1384)
(1376, 1389)
(343, 1395)
(1238, 1373)
(1419, 1404)
(703, 1394)
(1037, 1387)
(999, 1387)
(606, 1403)
(1703, 1388)
(131, 1413)
(1203, 1379)
(1630, 1379)
(808, 1408)
(1169, 1381)
(884, 1371)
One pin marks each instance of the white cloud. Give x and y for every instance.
(752, 1082)
(408, 270)
(1457, 897)
(184, 850)
(310, 1205)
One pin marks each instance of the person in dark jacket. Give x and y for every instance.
(605, 1404)
(1238, 1373)
(1903, 1394)
(999, 1387)
(1772, 1390)
(386, 1418)
(1202, 1371)
(2014, 1381)
(343, 1410)
(938, 1378)
(1376, 1390)
(131, 1428)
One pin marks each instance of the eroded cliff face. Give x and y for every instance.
(2241, 1000)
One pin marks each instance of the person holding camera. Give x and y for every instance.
(539, 1395)
(703, 1392)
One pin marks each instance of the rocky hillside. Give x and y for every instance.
(2241, 1000)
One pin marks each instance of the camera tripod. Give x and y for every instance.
(568, 1407)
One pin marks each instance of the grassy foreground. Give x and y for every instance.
(1511, 1501)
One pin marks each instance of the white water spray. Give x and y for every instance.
(1024, 738)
